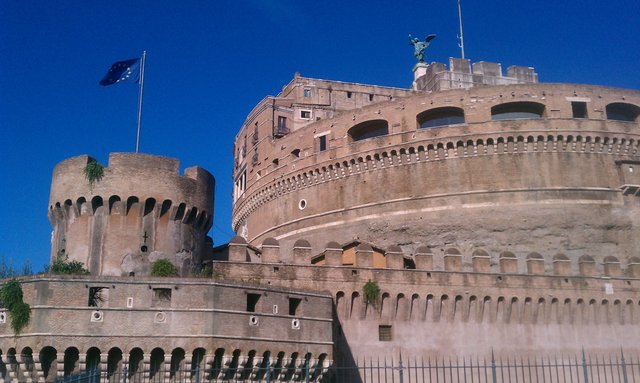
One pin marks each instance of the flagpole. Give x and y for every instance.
(461, 35)
(144, 58)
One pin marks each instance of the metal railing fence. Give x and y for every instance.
(582, 368)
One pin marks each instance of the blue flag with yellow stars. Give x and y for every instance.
(127, 70)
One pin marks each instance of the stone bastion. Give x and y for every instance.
(141, 210)
(548, 168)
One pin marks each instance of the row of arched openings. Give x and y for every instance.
(449, 115)
(181, 366)
(529, 310)
(181, 213)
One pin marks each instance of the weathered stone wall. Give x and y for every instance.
(464, 303)
(201, 318)
(551, 185)
(140, 211)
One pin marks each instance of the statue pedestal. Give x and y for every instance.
(419, 70)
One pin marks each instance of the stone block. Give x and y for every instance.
(535, 266)
(364, 256)
(394, 258)
(238, 250)
(587, 267)
(333, 254)
(612, 269)
(481, 263)
(562, 267)
(508, 265)
(302, 252)
(453, 262)
(270, 251)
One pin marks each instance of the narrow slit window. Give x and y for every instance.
(323, 143)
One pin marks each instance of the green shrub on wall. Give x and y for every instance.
(19, 312)
(62, 265)
(93, 172)
(371, 292)
(163, 268)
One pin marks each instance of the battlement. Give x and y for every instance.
(359, 254)
(462, 74)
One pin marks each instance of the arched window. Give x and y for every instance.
(369, 129)
(517, 111)
(620, 111)
(440, 117)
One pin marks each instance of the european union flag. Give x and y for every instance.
(127, 70)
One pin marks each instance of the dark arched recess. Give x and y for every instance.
(369, 129)
(447, 115)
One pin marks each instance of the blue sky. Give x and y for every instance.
(210, 62)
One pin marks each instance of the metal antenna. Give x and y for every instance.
(461, 36)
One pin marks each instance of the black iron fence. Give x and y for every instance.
(584, 368)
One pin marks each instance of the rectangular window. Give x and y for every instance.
(370, 97)
(240, 185)
(282, 122)
(579, 109)
(294, 304)
(98, 296)
(281, 129)
(348, 94)
(306, 114)
(384, 333)
(307, 93)
(252, 302)
(161, 297)
(323, 143)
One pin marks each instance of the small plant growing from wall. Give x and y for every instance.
(163, 268)
(93, 172)
(371, 293)
(19, 312)
(62, 265)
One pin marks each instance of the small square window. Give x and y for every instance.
(307, 93)
(579, 109)
(98, 296)
(306, 114)
(384, 333)
(252, 302)
(294, 305)
(161, 297)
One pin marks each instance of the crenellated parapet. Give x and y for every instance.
(142, 209)
(439, 300)
(359, 254)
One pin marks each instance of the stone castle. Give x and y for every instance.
(493, 212)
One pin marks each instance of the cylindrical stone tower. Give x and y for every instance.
(141, 210)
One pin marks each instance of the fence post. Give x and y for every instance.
(306, 367)
(624, 367)
(584, 367)
(268, 370)
(401, 370)
(124, 374)
(493, 368)
(198, 373)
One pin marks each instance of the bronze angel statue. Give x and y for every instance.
(420, 46)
